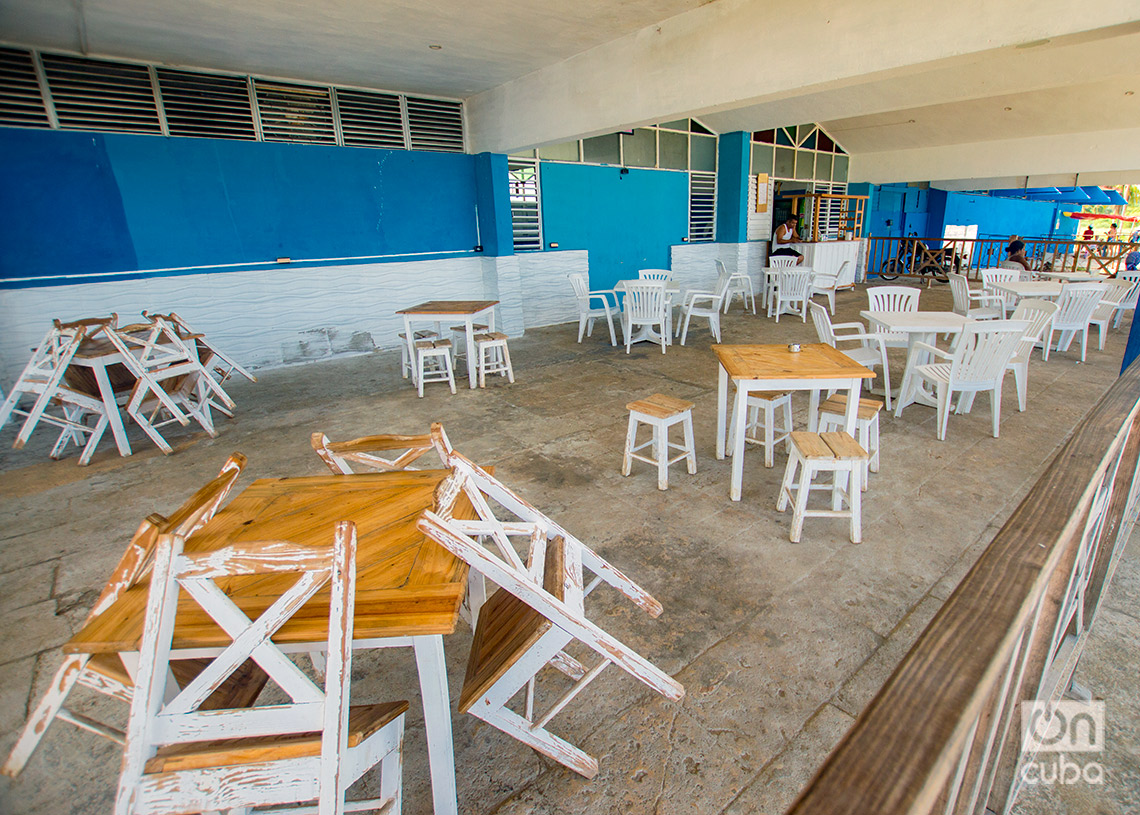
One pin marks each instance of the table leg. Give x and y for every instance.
(114, 417)
(410, 339)
(437, 719)
(739, 423)
(721, 408)
(813, 411)
(912, 392)
(472, 361)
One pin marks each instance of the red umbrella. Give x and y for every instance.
(1096, 216)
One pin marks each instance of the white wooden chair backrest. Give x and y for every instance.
(1077, 303)
(655, 274)
(645, 301)
(219, 361)
(365, 452)
(961, 291)
(794, 283)
(154, 722)
(781, 261)
(984, 349)
(1039, 315)
(822, 321)
(500, 563)
(893, 298)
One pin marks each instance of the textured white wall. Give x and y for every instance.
(546, 296)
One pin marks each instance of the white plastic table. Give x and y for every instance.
(919, 326)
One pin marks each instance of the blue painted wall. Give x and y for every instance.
(626, 221)
(99, 203)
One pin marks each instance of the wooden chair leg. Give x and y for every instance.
(687, 425)
(807, 472)
(789, 480)
(856, 503)
(44, 713)
(661, 453)
(630, 439)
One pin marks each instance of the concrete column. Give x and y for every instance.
(733, 164)
(493, 202)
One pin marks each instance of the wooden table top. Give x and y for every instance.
(450, 307)
(406, 583)
(812, 361)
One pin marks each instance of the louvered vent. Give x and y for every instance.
(435, 125)
(21, 102)
(526, 210)
(93, 94)
(295, 113)
(206, 105)
(702, 206)
(371, 119)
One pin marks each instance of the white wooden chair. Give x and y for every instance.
(739, 282)
(829, 452)
(760, 423)
(587, 312)
(992, 276)
(340, 456)
(870, 352)
(313, 748)
(106, 673)
(833, 416)
(1129, 301)
(645, 305)
(893, 298)
(964, 300)
(493, 357)
(406, 367)
(434, 364)
(1108, 307)
(706, 304)
(792, 295)
(220, 364)
(538, 611)
(42, 393)
(660, 412)
(1039, 315)
(977, 364)
(1075, 308)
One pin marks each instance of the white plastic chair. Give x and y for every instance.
(311, 748)
(1076, 305)
(645, 305)
(870, 352)
(739, 282)
(827, 284)
(706, 304)
(978, 363)
(893, 298)
(664, 275)
(792, 295)
(776, 262)
(1129, 301)
(992, 276)
(1108, 307)
(964, 300)
(1039, 315)
(588, 313)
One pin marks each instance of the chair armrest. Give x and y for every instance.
(980, 296)
(601, 295)
(692, 297)
(837, 327)
(922, 346)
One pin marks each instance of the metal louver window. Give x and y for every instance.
(526, 206)
(21, 102)
(206, 105)
(371, 119)
(702, 206)
(93, 94)
(435, 124)
(295, 113)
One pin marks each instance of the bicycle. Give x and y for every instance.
(938, 263)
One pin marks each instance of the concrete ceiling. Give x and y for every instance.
(969, 90)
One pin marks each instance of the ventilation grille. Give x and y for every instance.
(371, 119)
(91, 94)
(526, 206)
(702, 206)
(21, 102)
(95, 94)
(206, 105)
(435, 124)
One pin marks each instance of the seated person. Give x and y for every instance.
(1132, 261)
(786, 234)
(1015, 253)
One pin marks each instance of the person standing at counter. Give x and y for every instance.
(785, 235)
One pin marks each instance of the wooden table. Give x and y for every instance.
(774, 368)
(440, 311)
(1028, 288)
(919, 326)
(408, 593)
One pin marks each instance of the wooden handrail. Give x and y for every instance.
(942, 735)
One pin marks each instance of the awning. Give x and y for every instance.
(1096, 216)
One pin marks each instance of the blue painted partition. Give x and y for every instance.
(627, 221)
(94, 203)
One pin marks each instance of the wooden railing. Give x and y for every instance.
(972, 254)
(943, 735)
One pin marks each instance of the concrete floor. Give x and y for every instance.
(778, 645)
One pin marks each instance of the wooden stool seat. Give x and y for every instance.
(433, 363)
(660, 412)
(493, 356)
(829, 451)
(832, 417)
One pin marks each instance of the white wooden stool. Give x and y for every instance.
(834, 452)
(660, 412)
(439, 369)
(493, 357)
(832, 416)
(405, 363)
(766, 401)
(459, 337)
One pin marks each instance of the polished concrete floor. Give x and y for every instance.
(779, 645)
